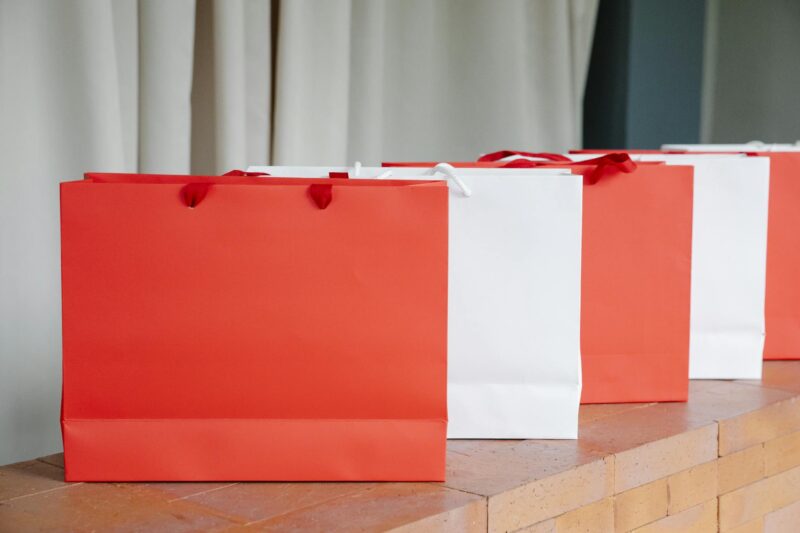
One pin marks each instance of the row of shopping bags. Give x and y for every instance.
(732, 189)
(782, 305)
(324, 323)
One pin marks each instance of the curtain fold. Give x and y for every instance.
(210, 85)
(311, 81)
(383, 79)
(164, 64)
(231, 85)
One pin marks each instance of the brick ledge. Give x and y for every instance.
(727, 460)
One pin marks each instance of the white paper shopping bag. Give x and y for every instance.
(514, 298)
(729, 250)
(753, 146)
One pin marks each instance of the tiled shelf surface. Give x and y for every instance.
(728, 460)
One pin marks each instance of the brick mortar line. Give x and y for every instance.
(240, 520)
(483, 499)
(701, 504)
(236, 519)
(611, 495)
(309, 506)
(203, 492)
(633, 408)
(418, 520)
(442, 485)
(46, 491)
(761, 385)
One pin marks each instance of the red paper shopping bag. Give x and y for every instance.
(235, 328)
(635, 284)
(782, 301)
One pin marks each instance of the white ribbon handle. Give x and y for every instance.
(357, 172)
(763, 147)
(450, 171)
(442, 168)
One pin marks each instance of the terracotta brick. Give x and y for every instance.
(740, 468)
(771, 422)
(591, 412)
(107, 507)
(783, 375)
(753, 501)
(597, 517)
(491, 467)
(664, 457)
(783, 520)
(470, 518)
(406, 507)
(640, 506)
(251, 502)
(722, 400)
(29, 477)
(635, 427)
(699, 519)
(692, 487)
(551, 496)
(709, 401)
(782, 453)
(784, 488)
(744, 505)
(179, 490)
(754, 526)
(548, 526)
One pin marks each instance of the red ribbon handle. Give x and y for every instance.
(497, 156)
(193, 193)
(526, 163)
(614, 162)
(237, 172)
(322, 193)
(603, 165)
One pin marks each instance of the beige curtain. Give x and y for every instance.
(206, 86)
(425, 79)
